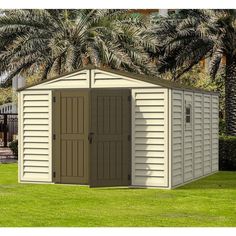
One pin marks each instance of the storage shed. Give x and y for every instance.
(102, 127)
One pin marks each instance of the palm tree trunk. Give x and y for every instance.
(230, 95)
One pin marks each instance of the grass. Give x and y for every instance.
(208, 202)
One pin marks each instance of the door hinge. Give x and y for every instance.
(129, 98)
(129, 137)
(54, 174)
(129, 177)
(54, 99)
(54, 137)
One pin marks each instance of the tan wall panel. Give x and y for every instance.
(194, 150)
(35, 136)
(76, 80)
(149, 137)
(101, 79)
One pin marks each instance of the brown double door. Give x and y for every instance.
(92, 137)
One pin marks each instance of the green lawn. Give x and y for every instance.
(207, 202)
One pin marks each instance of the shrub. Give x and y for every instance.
(14, 147)
(222, 127)
(227, 153)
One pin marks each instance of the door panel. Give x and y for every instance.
(71, 129)
(110, 146)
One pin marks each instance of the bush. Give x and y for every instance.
(227, 153)
(14, 147)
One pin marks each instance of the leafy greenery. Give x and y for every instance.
(14, 147)
(227, 154)
(196, 204)
(5, 95)
(196, 34)
(53, 42)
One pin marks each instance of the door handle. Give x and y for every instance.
(90, 137)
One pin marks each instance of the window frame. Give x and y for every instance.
(188, 105)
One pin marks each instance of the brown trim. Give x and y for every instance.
(144, 78)
(56, 129)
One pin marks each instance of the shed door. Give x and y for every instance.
(71, 130)
(110, 144)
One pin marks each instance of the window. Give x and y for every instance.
(188, 114)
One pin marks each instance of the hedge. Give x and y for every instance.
(227, 153)
(14, 147)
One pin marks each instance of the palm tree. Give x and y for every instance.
(58, 41)
(198, 34)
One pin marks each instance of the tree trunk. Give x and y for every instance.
(230, 95)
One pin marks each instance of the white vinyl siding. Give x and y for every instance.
(101, 79)
(194, 148)
(177, 137)
(214, 133)
(149, 137)
(35, 136)
(188, 140)
(207, 133)
(198, 135)
(77, 80)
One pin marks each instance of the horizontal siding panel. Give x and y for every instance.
(148, 134)
(36, 115)
(149, 160)
(36, 157)
(36, 103)
(152, 147)
(32, 109)
(149, 115)
(150, 121)
(36, 97)
(31, 121)
(148, 128)
(35, 133)
(35, 145)
(151, 181)
(36, 163)
(36, 151)
(157, 153)
(35, 177)
(36, 127)
(158, 109)
(102, 79)
(150, 102)
(148, 96)
(144, 166)
(35, 169)
(150, 173)
(158, 141)
(29, 139)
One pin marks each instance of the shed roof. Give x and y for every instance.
(145, 78)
